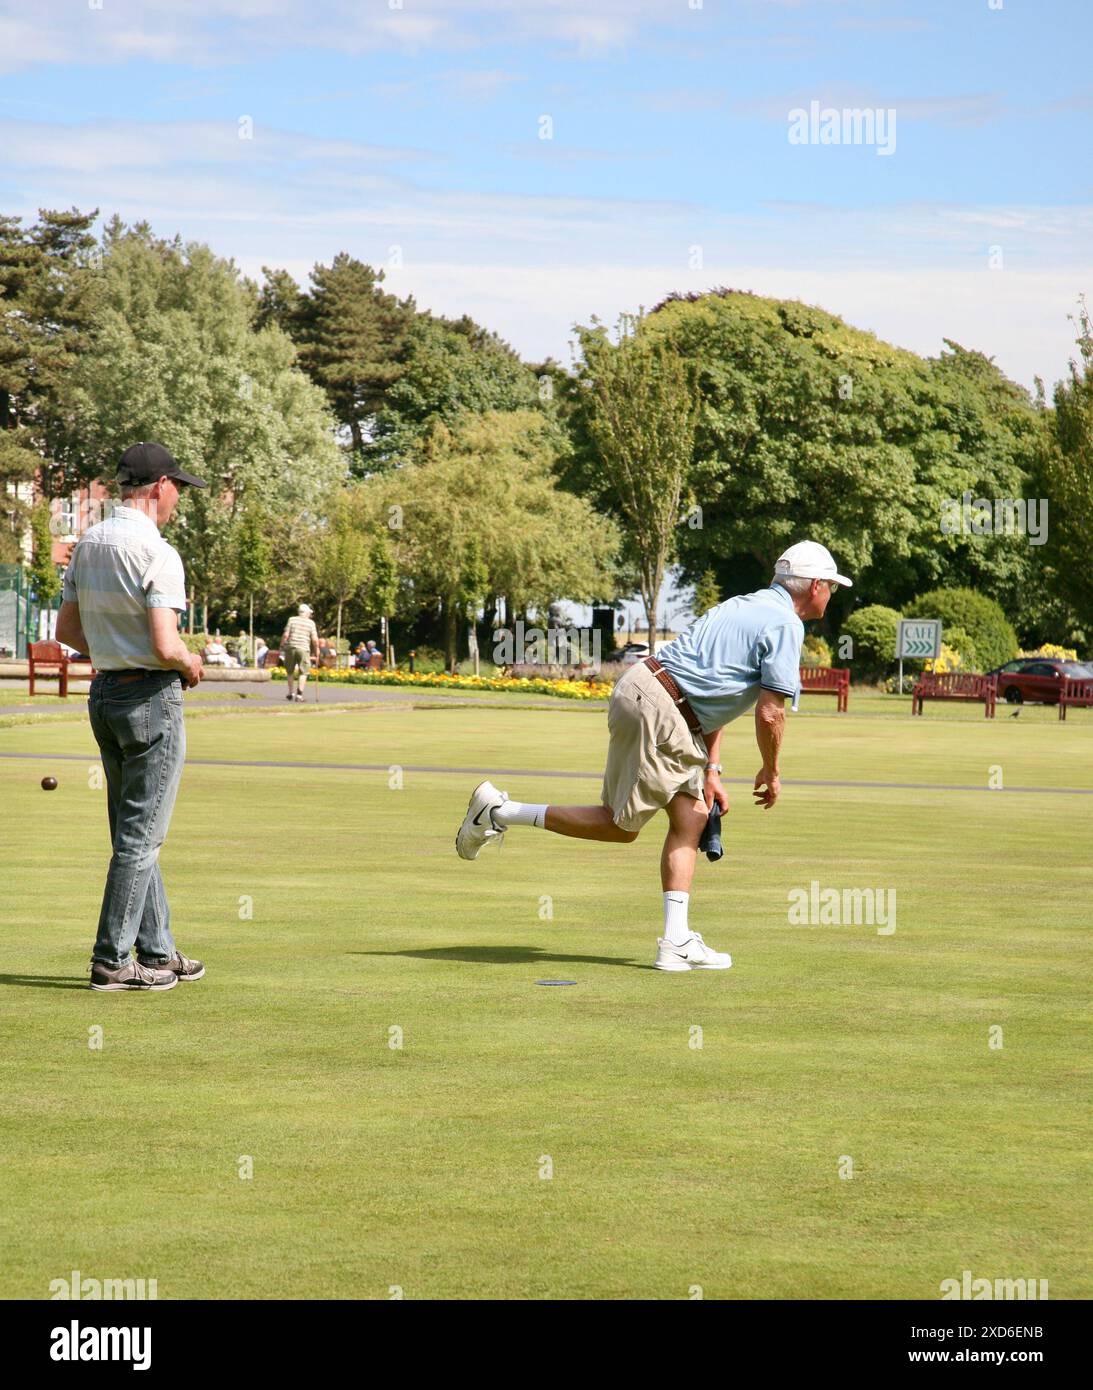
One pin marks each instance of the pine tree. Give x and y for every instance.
(47, 284)
(707, 593)
(44, 576)
(349, 333)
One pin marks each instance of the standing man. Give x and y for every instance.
(664, 724)
(300, 644)
(123, 591)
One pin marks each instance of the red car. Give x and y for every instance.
(1037, 679)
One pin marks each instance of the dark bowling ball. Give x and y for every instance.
(49, 784)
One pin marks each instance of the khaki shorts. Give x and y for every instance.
(652, 754)
(295, 659)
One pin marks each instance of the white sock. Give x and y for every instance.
(519, 813)
(676, 929)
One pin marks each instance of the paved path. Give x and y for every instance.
(250, 694)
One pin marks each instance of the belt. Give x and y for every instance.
(128, 674)
(678, 697)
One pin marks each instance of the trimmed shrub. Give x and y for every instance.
(949, 661)
(960, 642)
(980, 617)
(873, 632)
(815, 652)
(1053, 652)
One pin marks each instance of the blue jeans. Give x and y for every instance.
(139, 728)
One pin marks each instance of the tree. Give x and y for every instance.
(384, 588)
(47, 282)
(254, 562)
(1068, 475)
(810, 428)
(640, 413)
(44, 577)
(175, 356)
(707, 593)
(975, 614)
(341, 562)
(447, 368)
(478, 510)
(349, 333)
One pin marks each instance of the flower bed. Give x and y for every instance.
(565, 689)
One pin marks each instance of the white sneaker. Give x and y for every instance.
(478, 826)
(692, 955)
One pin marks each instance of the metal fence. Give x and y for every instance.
(20, 612)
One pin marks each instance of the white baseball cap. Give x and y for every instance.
(305, 609)
(809, 560)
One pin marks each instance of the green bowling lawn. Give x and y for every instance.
(846, 1129)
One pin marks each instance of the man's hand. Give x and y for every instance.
(196, 670)
(714, 791)
(171, 649)
(768, 787)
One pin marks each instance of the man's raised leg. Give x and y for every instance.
(491, 812)
(585, 823)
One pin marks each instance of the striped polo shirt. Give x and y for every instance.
(301, 633)
(119, 569)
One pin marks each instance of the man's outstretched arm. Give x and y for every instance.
(770, 723)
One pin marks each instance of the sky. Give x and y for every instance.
(535, 163)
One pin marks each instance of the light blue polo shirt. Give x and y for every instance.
(744, 645)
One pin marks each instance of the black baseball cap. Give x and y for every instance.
(145, 463)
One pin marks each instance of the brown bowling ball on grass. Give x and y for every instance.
(49, 784)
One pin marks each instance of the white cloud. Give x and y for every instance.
(528, 265)
(220, 31)
(99, 146)
(1019, 318)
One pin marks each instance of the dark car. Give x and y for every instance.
(632, 653)
(1037, 679)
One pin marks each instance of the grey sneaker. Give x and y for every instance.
(182, 967)
(131, 975)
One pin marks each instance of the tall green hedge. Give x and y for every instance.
(980, 617)
(873, 632)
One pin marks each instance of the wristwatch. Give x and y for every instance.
(713, 767)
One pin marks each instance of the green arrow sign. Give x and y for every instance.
(918, 640)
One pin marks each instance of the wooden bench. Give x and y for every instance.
(1075, 692)
(955, 686)
(48, 659)
(827, 680)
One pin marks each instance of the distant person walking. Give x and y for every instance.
(300, 644)
(123, 591)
